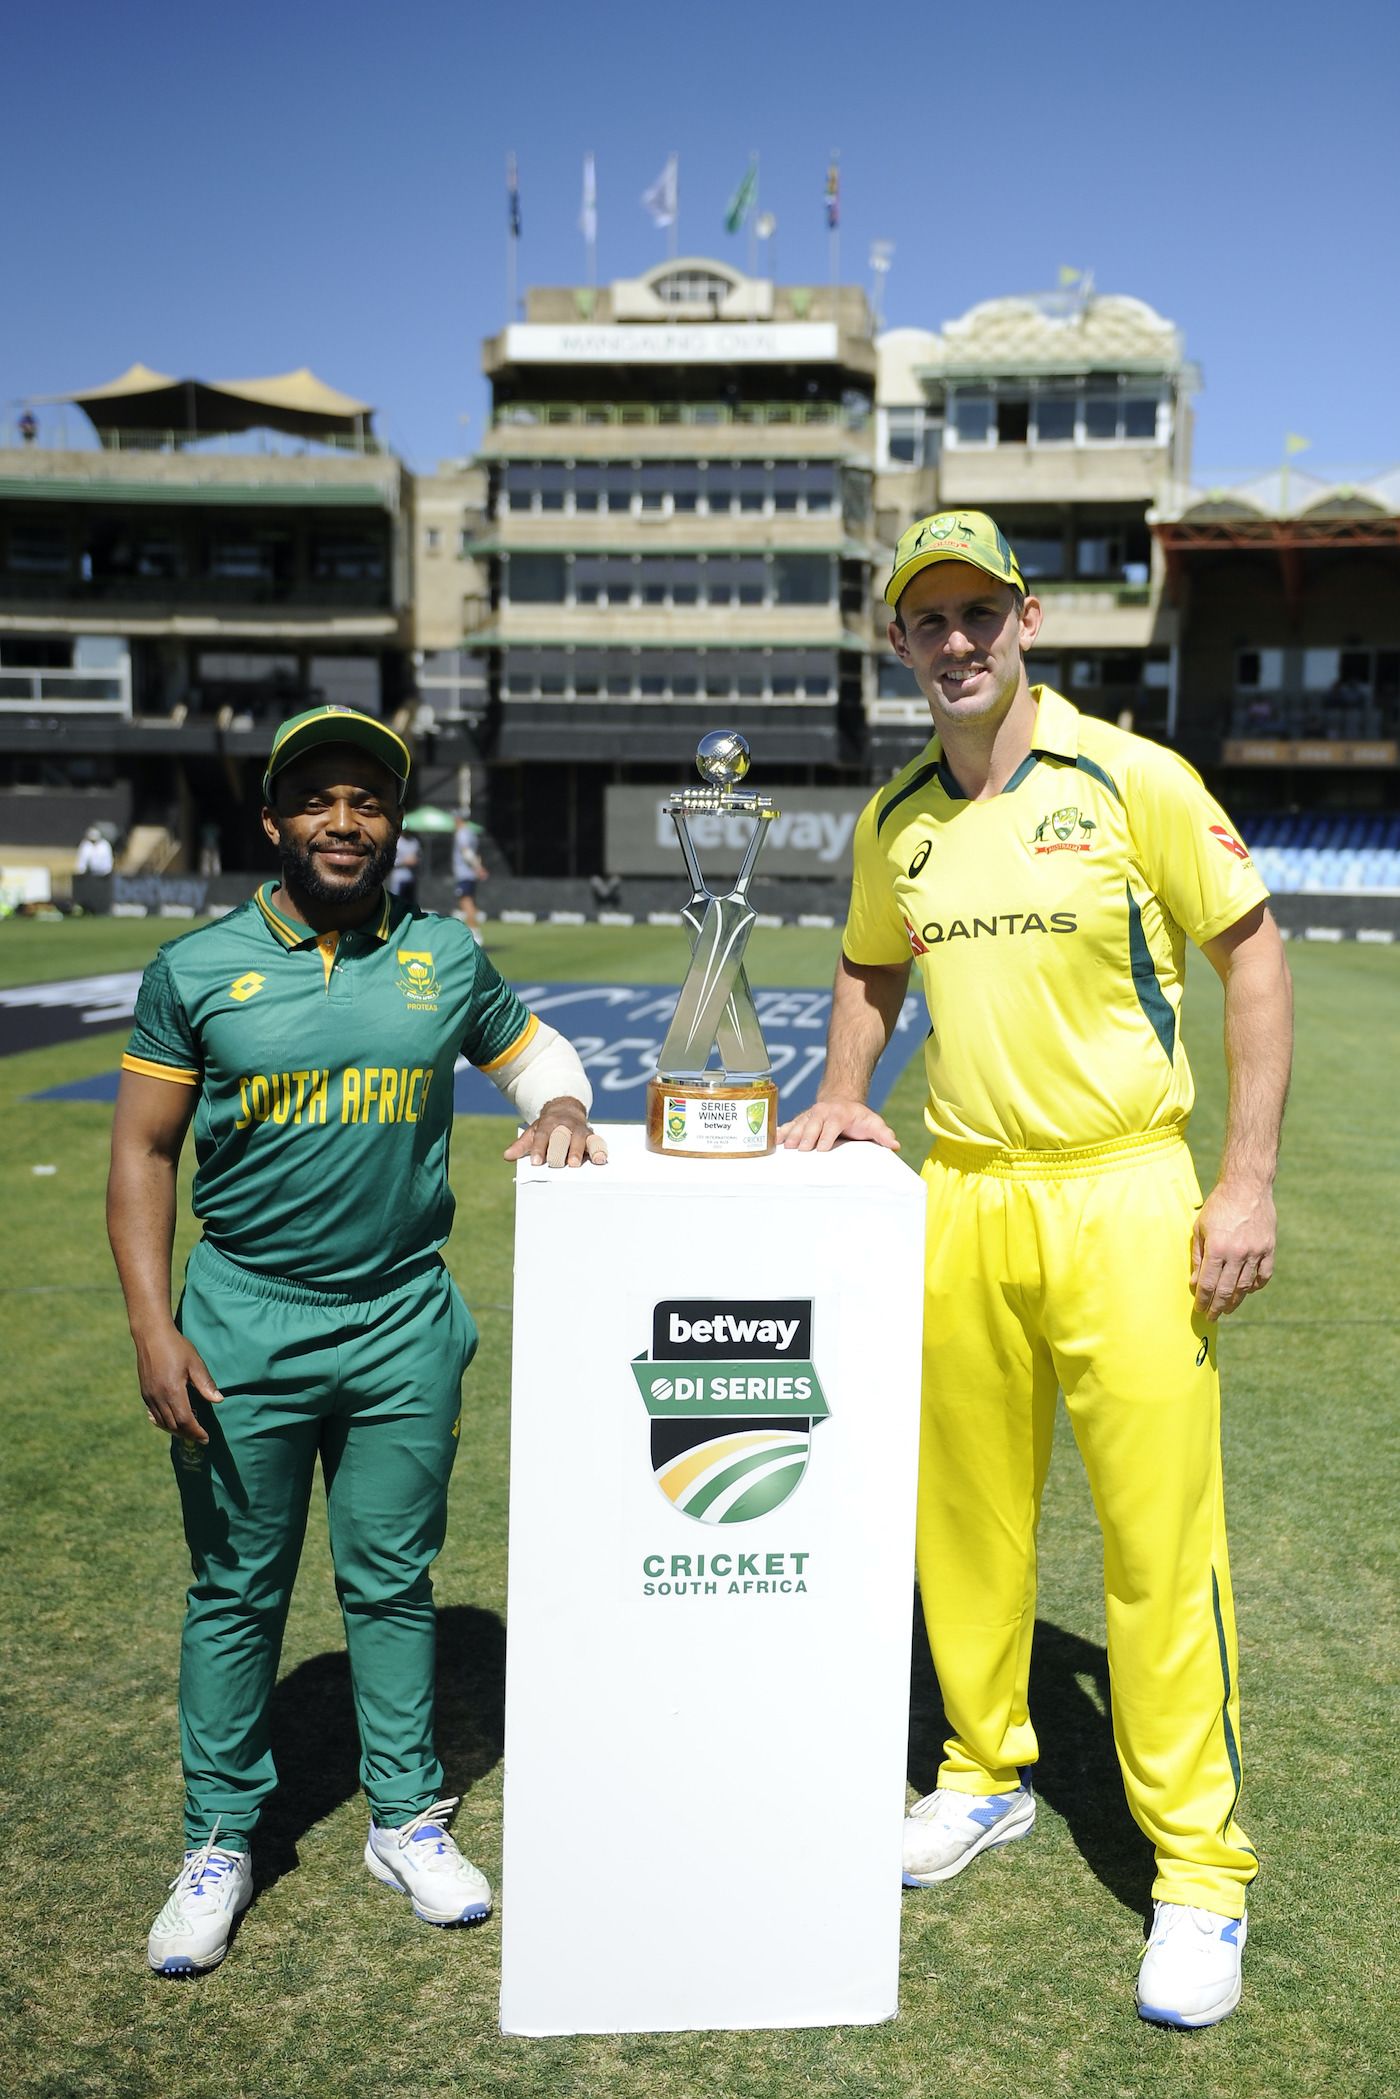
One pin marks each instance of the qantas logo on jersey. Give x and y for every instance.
(1070, 832)
(935, 933)
(1231, 844)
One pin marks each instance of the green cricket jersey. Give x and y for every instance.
(324, 1068)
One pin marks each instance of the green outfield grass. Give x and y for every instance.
(1017, 1979)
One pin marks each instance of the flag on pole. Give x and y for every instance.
(743, 199)
(512, 197)
(1068, 276)
(588, 214)
(662, 200)
(1293, 444)
(833, 195)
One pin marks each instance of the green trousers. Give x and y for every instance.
(373, 1387)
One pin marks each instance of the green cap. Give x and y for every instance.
(304, 732)
(953, 535)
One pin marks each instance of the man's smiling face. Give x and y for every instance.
(963, 635)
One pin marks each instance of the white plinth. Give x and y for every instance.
(706, 1712)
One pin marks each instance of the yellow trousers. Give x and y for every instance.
(1070, 1271)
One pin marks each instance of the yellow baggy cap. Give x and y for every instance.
(953, 535)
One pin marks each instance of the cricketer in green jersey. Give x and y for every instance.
(310, 1038)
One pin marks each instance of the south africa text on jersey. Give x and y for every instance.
(360, 1093)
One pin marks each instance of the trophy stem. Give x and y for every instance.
(712, 1115)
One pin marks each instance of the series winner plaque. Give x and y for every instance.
(695, 1111)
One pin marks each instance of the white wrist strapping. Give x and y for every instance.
(547, 1069)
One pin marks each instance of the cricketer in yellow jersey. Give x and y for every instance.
(310, 1038)
(1043, 871)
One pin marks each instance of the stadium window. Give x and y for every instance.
(554, 481)
(752, 477)
(1101, 418)
(905, 442)
(535, 579)
(590, 578)
(1044, 670)
(519, 486)
(1259, 670)
(788, 482)
(340, 558)
(651, 684)
(685, 487)
(719, 489)
(752, 579)
(655, 580)
(1085, 672)
(554, 673)
(655, 482)
(1139, 420)
(685, 581)
(588, 484)
(1013, 421)
(802, 579)
(894, 682)
(432, 540)
(970, 417)
(1099, 554)
(748, 685)
(1321, 669)
(684, 685)
(720, 581)
(1040, 553)
(619, 487)
(1054, 419)
(822, 483)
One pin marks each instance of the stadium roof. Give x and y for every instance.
(296, 403)
(1054, 333)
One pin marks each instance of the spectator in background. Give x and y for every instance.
(211, 859)
(468, 869)
(95, 856)
(402, 880)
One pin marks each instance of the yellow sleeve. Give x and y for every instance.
(1189, 851)
(875, 934)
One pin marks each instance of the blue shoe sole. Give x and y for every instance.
(475, 1913)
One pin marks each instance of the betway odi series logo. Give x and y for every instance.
(733, 1397)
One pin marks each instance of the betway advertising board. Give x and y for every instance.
(811, 835)
(714, 1435)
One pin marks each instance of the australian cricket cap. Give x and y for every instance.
(953, 535)
(305, 732)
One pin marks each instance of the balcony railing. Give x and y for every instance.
(67, 691)
(624, 414)
(157, 592)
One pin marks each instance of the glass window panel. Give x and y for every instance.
(719, 487)
(1040, 553)
(588, 483)
(651, 683)
(554, 670)
(655, 482)
(802, 579)
(685, 581)
(534, 579)
(685, 486)
(753, 480)
(789, 484)
(822, 486)
(1139, 419)
(1101, 417)
(895, 682)
(684, 685)
(971, 418)
(553, 482)
(619, 487)
(520, 484)
(1099, 554)
(1321, 669)
(749, 685)
(1054, 419)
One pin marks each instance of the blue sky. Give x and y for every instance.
(232, 191)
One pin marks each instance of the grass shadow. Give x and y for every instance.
(1077, 1775)
(317, 1747)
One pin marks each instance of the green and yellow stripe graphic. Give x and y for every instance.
(734, 1477)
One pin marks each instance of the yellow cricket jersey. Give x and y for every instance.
(1049, 926)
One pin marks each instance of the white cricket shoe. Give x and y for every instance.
(192, 1931)
(423, 1862)
(1190, 1973)
(945, 1831)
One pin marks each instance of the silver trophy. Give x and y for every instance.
(693, 1110)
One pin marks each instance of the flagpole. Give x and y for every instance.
(673, 231)
(512, 234)
(833, 225)
(753, 235)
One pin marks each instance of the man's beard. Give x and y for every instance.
(303, 877)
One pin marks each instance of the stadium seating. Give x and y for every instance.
(1315, 854)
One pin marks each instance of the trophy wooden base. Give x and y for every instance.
(712, 1117)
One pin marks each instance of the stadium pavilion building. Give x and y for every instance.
(679, 518)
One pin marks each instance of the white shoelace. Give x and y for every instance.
(203, 1864)
(438, 1813)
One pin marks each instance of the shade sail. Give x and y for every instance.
(296, 403)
